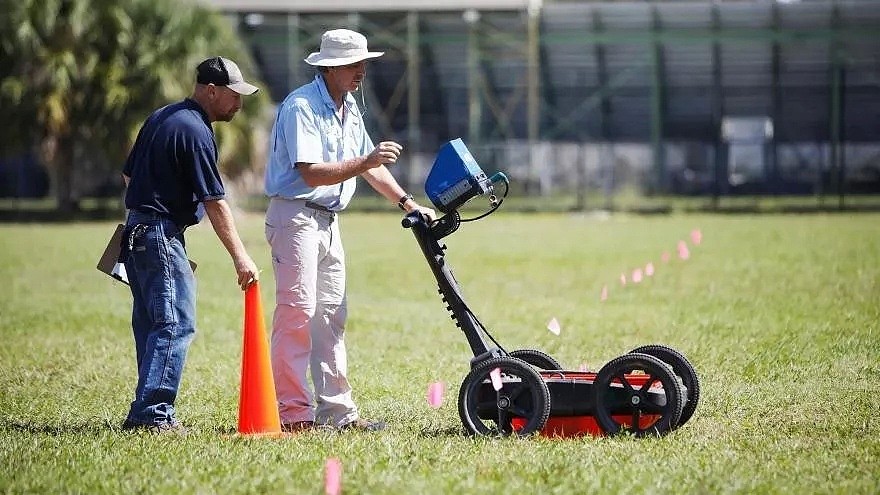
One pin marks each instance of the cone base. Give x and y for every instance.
(280, 434)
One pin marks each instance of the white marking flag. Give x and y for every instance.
(553, 326)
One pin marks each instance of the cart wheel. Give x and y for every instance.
(538, 359)
(637, 393)
(683, 369)
(523, 394)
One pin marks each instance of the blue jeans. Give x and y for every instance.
(163, 315)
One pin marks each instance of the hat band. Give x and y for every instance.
(353, 52)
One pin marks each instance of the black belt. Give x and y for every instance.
(149, 211)
(316, 206)
(155, 215)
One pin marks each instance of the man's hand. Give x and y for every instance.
(426, 212)
(247, 271)
(386, 153)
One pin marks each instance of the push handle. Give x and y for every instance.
(411, 219)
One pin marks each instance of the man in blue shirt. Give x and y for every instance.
(170, 172)
(319, 145)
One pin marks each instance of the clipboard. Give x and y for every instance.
(109, 262)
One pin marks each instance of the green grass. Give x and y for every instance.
(778, 313)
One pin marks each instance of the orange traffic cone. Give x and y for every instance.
(258, 406)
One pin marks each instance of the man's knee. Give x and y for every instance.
(335, 314)
(293, 315)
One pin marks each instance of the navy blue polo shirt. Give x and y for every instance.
(173, 164)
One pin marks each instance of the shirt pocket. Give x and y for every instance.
(353, 138)
(333, 140)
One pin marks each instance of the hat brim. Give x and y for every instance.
(243, 88)
(316, 59)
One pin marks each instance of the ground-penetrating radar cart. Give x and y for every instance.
(651, 390)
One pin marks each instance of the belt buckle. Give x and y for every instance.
(322, 209)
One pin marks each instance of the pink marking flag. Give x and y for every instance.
(583, 367)
(696, 237)
(603, 296)
(435, 394)
(332, 476)
(553, 326)
(495, 375)
(683, 251)
(637, 275)
(665, 257)
(649, 269)
(622, 279)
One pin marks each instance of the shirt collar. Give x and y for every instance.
(195, 106)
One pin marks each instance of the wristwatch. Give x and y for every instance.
(403, 200)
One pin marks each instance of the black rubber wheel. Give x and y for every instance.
(616, 394)
(524, 394)
(683, 369)
(538, 359)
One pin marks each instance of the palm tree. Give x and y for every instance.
(80, 76)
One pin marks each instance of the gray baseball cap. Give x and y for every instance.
(221, 71)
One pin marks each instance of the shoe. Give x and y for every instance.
(156, 428)
(166, 428)
(362, 424)
(297, 426)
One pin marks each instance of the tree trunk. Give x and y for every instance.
(65, 159)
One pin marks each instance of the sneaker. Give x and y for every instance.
(297, 426)
(155, 428)
(165, 428)
(362, 424)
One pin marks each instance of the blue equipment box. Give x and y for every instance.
(455, 177)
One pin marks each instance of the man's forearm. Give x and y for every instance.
(221, 219)
(326, 174)
(381, 180)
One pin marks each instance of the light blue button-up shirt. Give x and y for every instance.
(308, 130)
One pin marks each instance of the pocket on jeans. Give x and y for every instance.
(144, 242)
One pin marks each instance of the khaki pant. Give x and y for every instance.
(308, 328)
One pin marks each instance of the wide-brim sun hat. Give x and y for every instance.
(341, 47)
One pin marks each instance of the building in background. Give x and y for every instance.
(601, 95)
(696, 97)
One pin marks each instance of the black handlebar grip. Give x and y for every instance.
(410, 219)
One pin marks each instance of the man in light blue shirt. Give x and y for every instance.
(318, 147)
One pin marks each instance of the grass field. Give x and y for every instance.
(778, 313)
